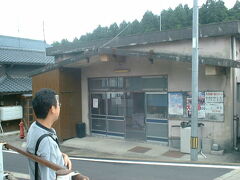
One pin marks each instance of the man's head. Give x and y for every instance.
(45, 104)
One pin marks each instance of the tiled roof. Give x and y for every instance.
(15, 79)
(17, 56)
(15, 85)
(22, 43)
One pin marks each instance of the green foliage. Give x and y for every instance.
(210, 12)
(213, 11)
(149, 22)
(64, 42)
(234, 13)
(56, 43)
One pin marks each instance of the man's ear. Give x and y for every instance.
(52, 109)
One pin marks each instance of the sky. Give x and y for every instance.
(66, 19)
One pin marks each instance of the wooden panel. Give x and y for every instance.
(48, 80)
(67, 83)
(70, 97)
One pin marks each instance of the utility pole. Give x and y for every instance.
(194, 120)
(160, 21)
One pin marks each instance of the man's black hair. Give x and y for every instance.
(42, 102)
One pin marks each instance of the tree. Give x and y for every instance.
(210, 12)
(234, 13)
(56, 43)
(122, 26)
(99, 32)
(75, 40)
(65, 42)
(169, 19)
(213, 11)
(113, 30)
(150, 22)
(135, 27)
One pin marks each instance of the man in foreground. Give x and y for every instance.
(41, 139)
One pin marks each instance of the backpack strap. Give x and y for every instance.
(36, 149)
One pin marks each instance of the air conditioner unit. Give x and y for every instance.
(8, 113)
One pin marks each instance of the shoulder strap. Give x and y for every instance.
(36, 149)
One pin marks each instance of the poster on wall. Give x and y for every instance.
(201, 106)
(175, 102)
(95, 103)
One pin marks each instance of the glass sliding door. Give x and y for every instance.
(157, 116)
(115, 115)
(135, 116)
(98, 113)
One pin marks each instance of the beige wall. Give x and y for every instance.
(219, 47)
(179, 79)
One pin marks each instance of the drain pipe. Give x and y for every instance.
(233, 70)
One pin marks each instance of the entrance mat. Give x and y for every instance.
(174, 154)
(139, 149)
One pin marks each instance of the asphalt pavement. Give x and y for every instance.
(120, 149)
(100, 169)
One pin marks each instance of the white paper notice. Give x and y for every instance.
(95, 103)
(214, 108)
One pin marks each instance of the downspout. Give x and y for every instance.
(233, 74)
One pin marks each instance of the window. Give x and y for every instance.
(115, 102)
(115, 83)
(238, 92)
(98, 83)
(154, 83)
(98, 104)
(157, 106)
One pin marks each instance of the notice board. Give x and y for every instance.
(210, 105)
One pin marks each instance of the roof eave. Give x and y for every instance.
(231, 28)
(149, 55)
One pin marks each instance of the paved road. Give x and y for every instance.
(119, 171)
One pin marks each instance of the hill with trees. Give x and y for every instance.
(212, 11)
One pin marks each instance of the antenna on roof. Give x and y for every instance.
(18, 35)
(44, 33)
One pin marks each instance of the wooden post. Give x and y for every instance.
(60, 171)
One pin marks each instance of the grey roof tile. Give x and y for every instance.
(20, 70)
(16, 85)
(17, 56)
(22, 43)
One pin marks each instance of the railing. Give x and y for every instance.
(61, 173)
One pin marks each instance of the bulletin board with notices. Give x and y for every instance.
(210, 105)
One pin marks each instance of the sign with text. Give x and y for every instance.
(213, 97)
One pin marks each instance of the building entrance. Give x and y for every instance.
(135, 116)
(130, 107)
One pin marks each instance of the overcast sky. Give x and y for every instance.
(73, 18)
